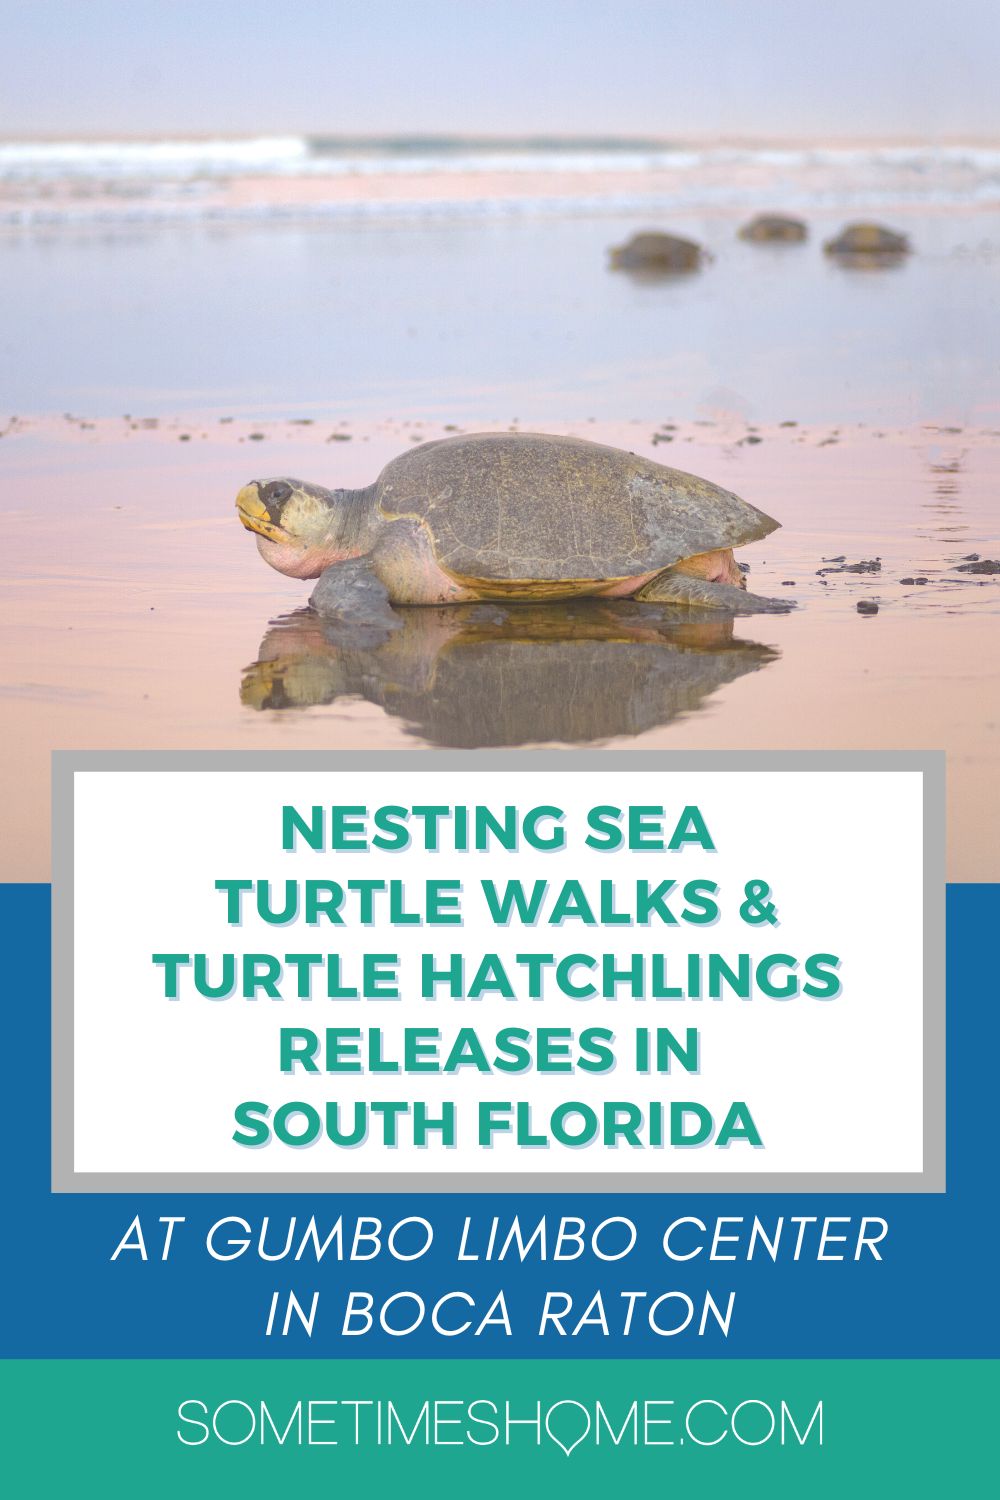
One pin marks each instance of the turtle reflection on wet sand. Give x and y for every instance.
(491, 674)
(509, 516)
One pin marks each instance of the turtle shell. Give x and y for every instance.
(652, 250)
(527, 506)
(774, 227)
(867, 239)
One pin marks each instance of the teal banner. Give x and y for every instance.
(698, 1427)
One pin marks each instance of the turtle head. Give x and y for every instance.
(302, 528)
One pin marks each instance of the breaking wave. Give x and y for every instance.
(54, 182)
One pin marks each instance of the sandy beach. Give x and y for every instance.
(312, 307)
(138, 614)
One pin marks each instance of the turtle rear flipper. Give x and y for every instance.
(683, 589)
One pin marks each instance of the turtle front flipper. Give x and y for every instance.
(683, 589)
(350, 596)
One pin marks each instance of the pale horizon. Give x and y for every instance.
(750, 140)
(902, 70)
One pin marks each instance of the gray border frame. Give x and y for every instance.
(65, 1179)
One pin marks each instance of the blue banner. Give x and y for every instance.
(936, 1262)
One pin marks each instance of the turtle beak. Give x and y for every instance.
(254, 514)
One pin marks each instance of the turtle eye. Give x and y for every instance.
(276, 493)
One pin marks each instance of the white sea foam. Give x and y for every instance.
(52, 183)
(154, 160)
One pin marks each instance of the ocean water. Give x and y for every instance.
(150, 173)
(467, 279)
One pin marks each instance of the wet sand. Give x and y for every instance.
(137, 614)
(483, 313)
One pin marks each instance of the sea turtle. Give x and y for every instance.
(774, 229)
(508, 516)
(651, 250)
(868, 241)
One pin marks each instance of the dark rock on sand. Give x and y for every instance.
(986, 565)
(867, 607)
(868, 565)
